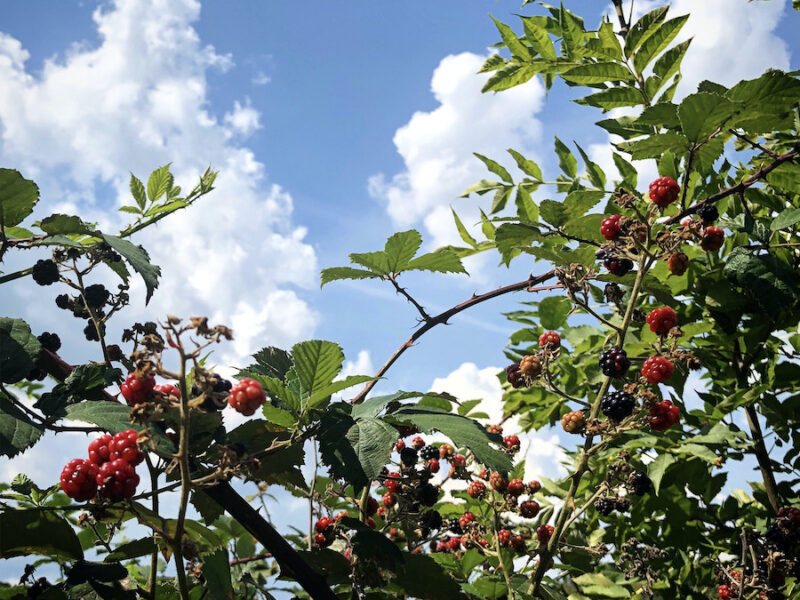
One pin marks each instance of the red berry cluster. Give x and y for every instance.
(657, 369)
(609, 227)
(664, 191)
(136, 389)
(110, 469)
(663, 415)
(247, 396)
(661, 320)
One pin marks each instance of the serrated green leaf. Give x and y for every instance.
(137, 191)
(566, 160)
(374, 261)
(19, 348)
(703, 113)
(317, 362)
(494, 62)
(462, 430)
(657, 468)
(462, 231)
(773, 284)
(400, 249)
(609, 40)
(337, 386)
(785, 219)
(601, 72)
(158, 183)
(66, 225)
(372, 440)
(421, 576)
(17, 431)
(510, 76)
(271, 362)
(111, 416)
(130, 210)
(614, 97)
(137, 258)
(494, 167)
(217, 574)
(512, 42)
(337, 273)
(657, 42)
(553, 311)
(481, 187)
(655, 145)
(18, 196)
(644, 28)
(443, 260)
(278, 416)
(538, 38)
(335, 449)
(27, 532)
(571, 33)
(593, 170)
(526, 207)
(510, 237)
(628, 172)
(526, 165)
(670, 62)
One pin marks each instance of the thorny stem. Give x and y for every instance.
(186, 481)
(753, 143)
(583, 464)
(445, 316)
(154, 555)
(402, 291)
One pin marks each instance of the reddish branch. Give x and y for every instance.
(445, 316)
(739, 187)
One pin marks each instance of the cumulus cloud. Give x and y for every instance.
(137, 100)
(437, 146)
(541, 450)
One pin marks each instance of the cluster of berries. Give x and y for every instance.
(245, 397)
(109, 469)
(530, 367)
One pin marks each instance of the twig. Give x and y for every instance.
(623, 25)
(402, 291)
(739, 187)
(443, 317)
(747, 140)
(249, 559)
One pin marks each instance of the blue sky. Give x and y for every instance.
(334, 124)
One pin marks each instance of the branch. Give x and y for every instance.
(402, 291)
(623, 25)
(753, 143)
(738, 188)
(443, 317)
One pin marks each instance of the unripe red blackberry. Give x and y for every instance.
(135, 390)
(246, 397)
(459, 460)
(321, 540)
(664, 191)
(534, 487)
(550, 339)
(573, 422)
(124, 445)
(495, 428)
(678, 263)
(661, 320)
(514, 376)
(617, 405)
(399, 445)
(657, 369)
(454, 543)
(498, 482)
(117, 480)
(433, 465)
(99, 451)
(392, 482)
(724, 592)
(476, 489)
(609, 227)
(544, 533)
(417, 443)
(618, 266)
(511, 442)
(712, 240)
(446, 450)
(529, 509)
(663, 415)
(79, 479)
(530, 366)
(465, 519)
(504, 537)
(614, 362)
(167, 389)
(515, 487)
(389, 499)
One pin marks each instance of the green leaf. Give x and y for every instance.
(571, 33)
(511, 76)
(111, 416)
(703, 113)
(18, 196)
(512, 42)
(336, 273)
(657, 42)
(335, 449)
(462, 231)
(644, 28)
(553, 311)
(400, 249)
(482, 187)
(137, 258)
(596, 175)
(217, 573)
(206, 506)
(337, 386)
(657, 468)
(670, 62)
(270, 362)
(317, 362)
(526, 207)
(17, 431)
(655, 145)
(83, 571)
(628, 172)
(785, 219)
(510, 237)
(538, 38)
(372, 441)
(566, 160)
(495, 167)
(614, 97)
(137, 191)
(443, 260)
(278, 416)
(597, 584)
(373, 545)
(772, 283)
(462, 430)
(19, 348)
(66, 225)
(553, 212)
(525, 165)
(601, 72)
(159, 182)
(132, 549)
(494, 62)
(421, 576)
(374, 261)
(27, 532)
(609, 40)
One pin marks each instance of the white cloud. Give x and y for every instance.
(137, 100)
(540, 449)
(261, 78)
(437, 146)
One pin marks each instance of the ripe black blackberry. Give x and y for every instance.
(604, 506)
(96, 295)
(63, 301)
(427, 494)
(50, 341)
(220, 388)
(429, 452)
(622, 505)
(454, 526)
(431, 519)
(618, 266)
(45, 272)
(617, 405)
(408, 456)
(614, 362)
(640, 483)
(708, 213)
(90, 331)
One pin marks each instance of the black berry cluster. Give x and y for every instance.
(614, 362)
(708, 213)
(429, 452)
(640, 483)
(617, 405)
(45, 272)
(50, 341)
